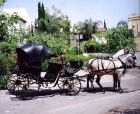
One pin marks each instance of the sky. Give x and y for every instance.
(112, 11)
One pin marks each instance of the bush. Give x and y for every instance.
(8, 48)
(75, 57)
(95, 47)
(57, 45)
(6, 65)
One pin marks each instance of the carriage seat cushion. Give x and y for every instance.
(72, 70)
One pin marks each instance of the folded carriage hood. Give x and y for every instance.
(30, 51)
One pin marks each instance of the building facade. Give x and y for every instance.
(134, 24)
(24, 21)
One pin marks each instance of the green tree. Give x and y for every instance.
(122, 23)
(120, 37)
(41, 17)
(105, 25)
(90, 27)
(2, 2)
(42, 11)
(39, 10)
(7, 25)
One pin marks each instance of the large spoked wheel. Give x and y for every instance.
(72, 86)
(27, 86)
(11, 79)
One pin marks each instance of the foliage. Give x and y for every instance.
(6, 64)
(7, 25)
(2, 2)
(52, 23)
(89, 27)
(8, 33)
(122, 23)
(2, 82)
(94, 47)
(8, 48)
(75, 57)
(57, 45)
(74, 50)
(120, 37)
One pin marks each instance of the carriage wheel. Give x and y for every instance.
(11, 79)
(61, 81)
(10, 83)
(27, 86)
(72, 86)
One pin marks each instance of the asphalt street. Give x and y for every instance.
(51, 101)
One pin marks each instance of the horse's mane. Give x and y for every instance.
(120, 52)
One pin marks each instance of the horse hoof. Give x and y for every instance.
(120, 91)
(103, 91)
(115, 90)
(93, 91)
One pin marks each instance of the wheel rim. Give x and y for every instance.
(72, 86)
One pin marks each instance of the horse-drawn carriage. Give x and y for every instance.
(25, 80)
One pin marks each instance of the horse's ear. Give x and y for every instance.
(131, 50)
(126, 50)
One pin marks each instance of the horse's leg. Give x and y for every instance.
(91, 81)
(115, 81)
(89, 76)
(98, 82)
(119, 84)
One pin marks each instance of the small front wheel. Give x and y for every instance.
(72, 86)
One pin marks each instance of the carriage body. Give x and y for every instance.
(30, 59)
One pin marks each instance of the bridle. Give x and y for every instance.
(129, 60)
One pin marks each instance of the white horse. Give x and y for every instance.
(115, 56)
(101, 67)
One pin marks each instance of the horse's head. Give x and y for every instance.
(128, 59)
(132, 59)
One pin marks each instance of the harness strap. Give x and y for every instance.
(123, 64)
(91, 63)
(114, 66)
(98, 63)
(102, 65)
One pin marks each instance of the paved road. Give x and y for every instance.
(52, 102)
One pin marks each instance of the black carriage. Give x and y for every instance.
(26, 79)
